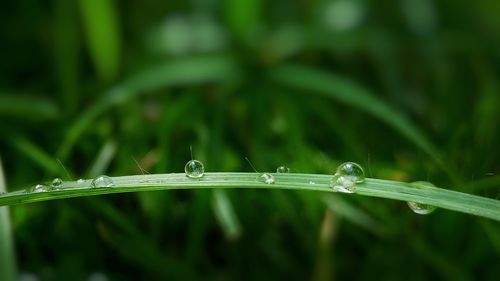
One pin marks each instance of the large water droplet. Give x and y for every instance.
(194, 169)
(102, 181)
(57, 183)
(346, 177)
(352, 171)
(266, 178)
(419, 208)
(282, 169)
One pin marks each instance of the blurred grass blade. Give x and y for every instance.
(442, 198)
(67, 51)
(30, 108)
(103, 159)
(242, 15)
(322, 82)
(352, 213)
(184, 71)
(36, 154)
(8, 270)
(225, 214)
(100, 19)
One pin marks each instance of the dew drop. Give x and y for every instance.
(102, 181)
(194, 169)
(419, 208)
(57, 183)
(346, 177)
(312, 183)
(282, 170)
(36, 188)
(266, 178)
(351, 171)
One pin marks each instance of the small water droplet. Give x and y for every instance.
(346, 177)
(311, 183)
(80, 181)
(282, 169)
(102, 181)
(36, 188)
(266, 178)
(57, 183)
(419, 208)
(194, 169)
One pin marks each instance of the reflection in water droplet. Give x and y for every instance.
(194, 169)
(266, 178)
(343, 184)
(346, 177)
(311, 182)
(57, 183)
(102, 181)
(419, 208)
(80, 181)
(352, 171)
(283, 169)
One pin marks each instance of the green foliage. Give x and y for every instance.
(408, 89)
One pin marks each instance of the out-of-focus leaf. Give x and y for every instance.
(183, 71)
(8, 269)
(352, 213)
(36, 154)
(100, 19)
(224, 212)
(24, 107)
(316, 81)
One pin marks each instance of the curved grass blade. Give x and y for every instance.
(184, 71)
(442, 198)
(340, 88)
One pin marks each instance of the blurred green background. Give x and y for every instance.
(407, 88)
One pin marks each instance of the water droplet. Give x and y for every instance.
(266, 178)
(194, 169)
(419, 208)
(57, 183)
(102, 181)
(282, 169)
(80, 181)
(346, 177)
(36, 188)
(352, 171)
(311, 182)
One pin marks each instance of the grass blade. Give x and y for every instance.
(8, 269)
(340, 88)
(183, 71)
(442, 198)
